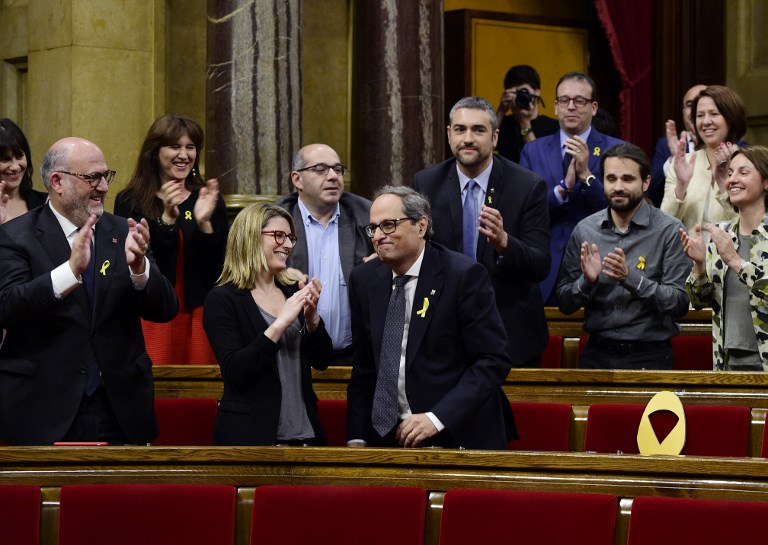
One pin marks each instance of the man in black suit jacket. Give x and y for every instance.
(454, 359)
(73, 365)
(320, 206)
(513, 241)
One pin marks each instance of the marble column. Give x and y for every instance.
(253, 94)
(397, 91)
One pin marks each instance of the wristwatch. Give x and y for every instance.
(525, 130)
(588, 181)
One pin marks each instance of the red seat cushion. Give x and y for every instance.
(541, 426)
(692, 352)
(552, 357)
(684, 521)
(338, 515)
(491, 517)
(712, 430)
(20, 514)
(185, 421)
(158, 514)
(333, 418)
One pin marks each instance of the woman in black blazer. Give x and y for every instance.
(188, 232)
(266, 334)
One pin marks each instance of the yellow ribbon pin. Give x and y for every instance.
(104, 267)
(596, 151)
(641, 263)
(490, 200)
(423, 311)
(188, 215)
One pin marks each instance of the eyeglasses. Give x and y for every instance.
(93, 179)
(387, 226)
(321, 169)
(579, 102)
(280, 236)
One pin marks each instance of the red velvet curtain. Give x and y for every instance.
(629, 27)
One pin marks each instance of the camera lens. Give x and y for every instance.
(523, 99)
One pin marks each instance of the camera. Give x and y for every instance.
(524, 99)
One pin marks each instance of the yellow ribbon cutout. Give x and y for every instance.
(596, 151)
(188, 215)
(104, 267)
(423, 311)
(641, 263)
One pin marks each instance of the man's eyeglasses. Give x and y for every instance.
(387, 226)
(280, 236)
(579, 102)
(321, 169)
(93, 179)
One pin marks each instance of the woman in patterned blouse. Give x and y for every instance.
(730, 273)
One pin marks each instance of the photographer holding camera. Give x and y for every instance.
(518, 114)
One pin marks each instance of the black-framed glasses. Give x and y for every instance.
(280, 236)
(93, 179)
(579, 102)
(321, 169)
(387, 226)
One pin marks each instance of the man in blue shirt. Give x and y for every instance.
(569, 162)
(331, 240)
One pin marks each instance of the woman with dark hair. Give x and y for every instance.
(16, 191)
(730, 272)
(695, 188)
(188, 232)
(267, 336)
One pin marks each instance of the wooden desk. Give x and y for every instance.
(433, 469)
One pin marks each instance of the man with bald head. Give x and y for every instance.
(74, 283)
(331, 240)
(666, 145)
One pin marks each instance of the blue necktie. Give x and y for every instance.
(469, 221)
(384, 413)
(567, 158)
(89, 283)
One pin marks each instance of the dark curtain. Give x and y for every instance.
(628, 25)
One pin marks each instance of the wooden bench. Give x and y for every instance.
(435, 470)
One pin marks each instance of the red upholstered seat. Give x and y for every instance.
(541, 426)
(491, 517)
(338, 515)
(712, 430)
(552, 356)
(185, 421)
(20, 514)
(333, 418)
(161, 514)
(692, 352)
(687, 521)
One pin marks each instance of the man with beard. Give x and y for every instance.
(74, 283)
(495, 212)
(625, 266)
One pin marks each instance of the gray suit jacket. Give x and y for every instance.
(354, 245)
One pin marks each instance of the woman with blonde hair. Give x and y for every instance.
(188, 232)
(730, 272)
(267, 335)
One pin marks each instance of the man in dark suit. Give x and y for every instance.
(329, 222)
(74, 283)
(511, 229)
(569, 161)
(448, 354)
